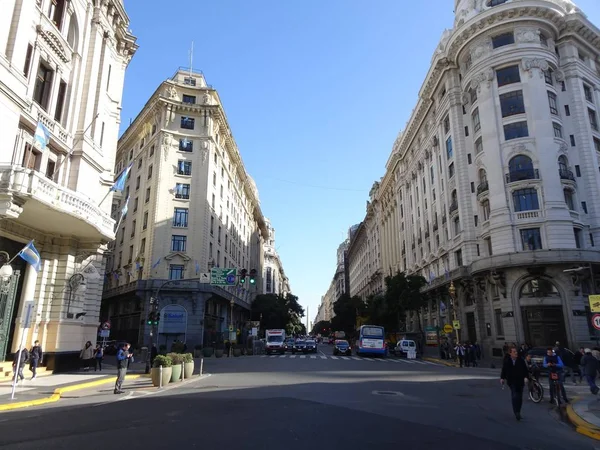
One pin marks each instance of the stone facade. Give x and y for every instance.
(192, 207)
(62, 63)
(494, 184)
(275, 279)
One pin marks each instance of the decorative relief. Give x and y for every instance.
(559, 75)
(481, 49)
(564, 148)
(483, 77)
(207, 99)
(171, 92)
(532, 64)
(527, 35)
(465, 98)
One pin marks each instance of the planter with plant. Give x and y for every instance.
(197, 351)
(177, 359)
(208, 351)
(177, 347)
(188, 365)
(219, 350)
(166, 363)
(237, 350)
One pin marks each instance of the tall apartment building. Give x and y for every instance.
(275, 279)
(493, 184)
(192, 206)
(62, 64)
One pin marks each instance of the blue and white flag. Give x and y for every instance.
(42, 135)
(177, 189)
(125, 208)
(155, 265)
(197, 268)
(138, 266)
(120, 183)
(442, 306)
(32, 256)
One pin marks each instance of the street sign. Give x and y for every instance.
(448, 328)
(223, 277)
(106, 325)
(230, 327)
(104, 333)
(596, 321)
(28, 314)
(456, 324)
(205, 278)
(254, 331)
(594, 303)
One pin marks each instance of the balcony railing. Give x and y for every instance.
(453, 207)
(484, 186)
(524, 174)
(566, 174)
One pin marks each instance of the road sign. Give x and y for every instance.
(594, 303)
(106, 325)
(596, 321)
(456, 324)
(27, 314)
(223, 277)
(230, 327)
(104, 333)
(205, 278)
(448, 328)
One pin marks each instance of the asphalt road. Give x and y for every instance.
(298, 403)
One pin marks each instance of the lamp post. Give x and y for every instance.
(452, 293)
(231, 302)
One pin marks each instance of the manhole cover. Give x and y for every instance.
(390, 393)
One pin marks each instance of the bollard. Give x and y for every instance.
(201, 365)
(182, 372)
(160, 382)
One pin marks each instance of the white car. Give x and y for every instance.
(404, 347)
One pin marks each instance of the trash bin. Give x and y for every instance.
(144, 354)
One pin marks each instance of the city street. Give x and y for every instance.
(269, 402)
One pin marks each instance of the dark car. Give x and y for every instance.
(341, 347)
(299, 346)
(538, 354)
(289, 345)
(310, 346)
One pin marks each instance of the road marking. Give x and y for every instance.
(333, 357)
(313, 357)
(302, 356)
(323, 357)
(346, 358)
(292, 356)
(356, 358)
(322, 354)
(263, 356)
(368, 359)
(273, 356)
(282, 356)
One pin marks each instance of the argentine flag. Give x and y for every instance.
(125, 208)
(42, 135)
(120, 183)
(32, 256)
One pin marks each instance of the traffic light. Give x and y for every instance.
(243, 275)
(151, 318)
(253, 276)
(156, 318)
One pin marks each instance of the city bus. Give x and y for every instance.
(371, 341)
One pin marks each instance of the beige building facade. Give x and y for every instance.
(62, 64)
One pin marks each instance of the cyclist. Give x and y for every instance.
(555, 365)
(532, 367)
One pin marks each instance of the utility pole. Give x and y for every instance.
(307, 316)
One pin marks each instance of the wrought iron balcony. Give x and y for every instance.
(566, 174)
(484, 186)
(523, 174)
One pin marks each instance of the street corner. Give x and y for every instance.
(440, 361)
(583, 414)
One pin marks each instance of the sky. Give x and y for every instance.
(315, 93)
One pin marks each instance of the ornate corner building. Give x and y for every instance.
(192, 207)
(62, 64)
(275, 280)
(494, 182)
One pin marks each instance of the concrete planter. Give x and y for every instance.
(155, 374)
(237, 352)
(188, 369)
(176, 373)
(219, 353)
(208, 352)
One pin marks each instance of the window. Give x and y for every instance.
(149, 171)
(584, 207)
(108, 78)
(50, 168)
(515, 130)
(567, 110)
(152, 150)
(511, 103)
(137, 182)
(143, 246)
(210, 250)
(219, 235)
(60, 104)
(447, 125)
(543, 40)
(485, 206)
(221, 191)
(478, 146)
(180, 217)
(456, 226)
(31, 158)
(597, 144)
(569, 199)
(587, 91)
(476, 122)
(178, 243)
(28, 55)
(469, 159)
(135, 204)
(499, 322)
(185, 145)
(557, 130)
(459, 260)
(212, 225)
(593, 119)
(182, 191)
(433, 172)
(572, 139)
(133, 227)
(145, 221)
(578, 237)
(269, 279)
(473, 95)
(451, 170)
(503, 39)
(531, 239)
(189, 81)
(577, 170)
(449, 147)
(548, 77)
(43, 85)
(184, 167)
(189, 99)
(491, 3)
(187, 122)
(212, 203)
(176, 271)
(467, 131)
(508, 75)
(525, 200)
(552, 103)
(147, 195)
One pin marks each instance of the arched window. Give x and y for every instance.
(73, 33)
(563, 164)
(482, 176)
(539, 287)
(563, 169)
(520, 167)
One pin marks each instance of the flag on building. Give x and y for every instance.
(119, 185)
(442, 306)
(32, 256)
(138, 266)
(125, 208)
(197, 268)
(155, 265)
(42, 135)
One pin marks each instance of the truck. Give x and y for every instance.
(275, 342)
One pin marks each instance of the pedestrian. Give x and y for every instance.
(515, 374)
(460, 353)
(473, 353)
(123, 357)
(98, 356)
(35, 358)
(18, 371)
(590, 366)
(87, 355)
(153, 353)
(577, 362)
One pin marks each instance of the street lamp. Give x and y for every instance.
(452, 293)
(231, 302)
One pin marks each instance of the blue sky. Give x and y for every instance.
(315, 92)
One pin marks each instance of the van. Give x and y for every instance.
(404, 347)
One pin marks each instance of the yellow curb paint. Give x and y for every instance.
(439, 361)
(581, 426)
(59, 391)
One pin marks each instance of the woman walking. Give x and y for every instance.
(87, 355)
(99, 356)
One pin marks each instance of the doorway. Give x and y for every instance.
(544, 325)
(471, 329)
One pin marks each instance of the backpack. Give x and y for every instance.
(24, 356)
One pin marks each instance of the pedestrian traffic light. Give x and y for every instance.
(150, 318)
(243, 275)
(253, 276)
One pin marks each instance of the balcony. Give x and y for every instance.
(566, 174)
(528, 215)
(484, 186)
(444, 219)
(435, 226)
(453, 207)
(57, 132)
(37, 202)
(524, 174)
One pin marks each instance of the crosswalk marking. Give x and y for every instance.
(346, 358)
(356, 358)
(302, 356)
(292, 356)
(313, 357)
(323, 357)
(333, 357)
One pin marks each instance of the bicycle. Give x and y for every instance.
(555, 387)
(536, 390)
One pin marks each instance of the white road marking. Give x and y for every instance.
(263, 356)
(333, 357)
(323, 357)
(282, 356)
(368, 359)
(322, 354)
(313, 357)
(292, 356)
(273, 356)
(302, 356)
(356, 358)
(346, 358)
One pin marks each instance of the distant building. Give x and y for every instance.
(275, 279)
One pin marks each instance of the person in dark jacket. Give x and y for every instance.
(35, 358)
(18, 371)
(123, 357)
(577, 362)
(590, 366)
(515, 374)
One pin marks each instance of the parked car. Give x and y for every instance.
(342, 347)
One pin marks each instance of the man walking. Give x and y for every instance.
(18, 371)
(35, 358)
(515, 374)
(589, 367)
(123, 357)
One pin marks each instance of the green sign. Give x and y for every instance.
(223, 277)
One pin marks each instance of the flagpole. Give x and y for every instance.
(58, 166)
(19, 252)
(105, 197)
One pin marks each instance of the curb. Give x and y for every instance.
(581, 426)
(59, 391)
(439, 361)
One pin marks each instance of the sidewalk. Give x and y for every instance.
(584, 414)
(432, 354)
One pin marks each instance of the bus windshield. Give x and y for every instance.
(376, 332)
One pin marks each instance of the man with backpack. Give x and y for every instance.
(21, 357)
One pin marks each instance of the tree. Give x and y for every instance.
(276, 311)
(403, 294)
(321, 327)
(346, 310)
